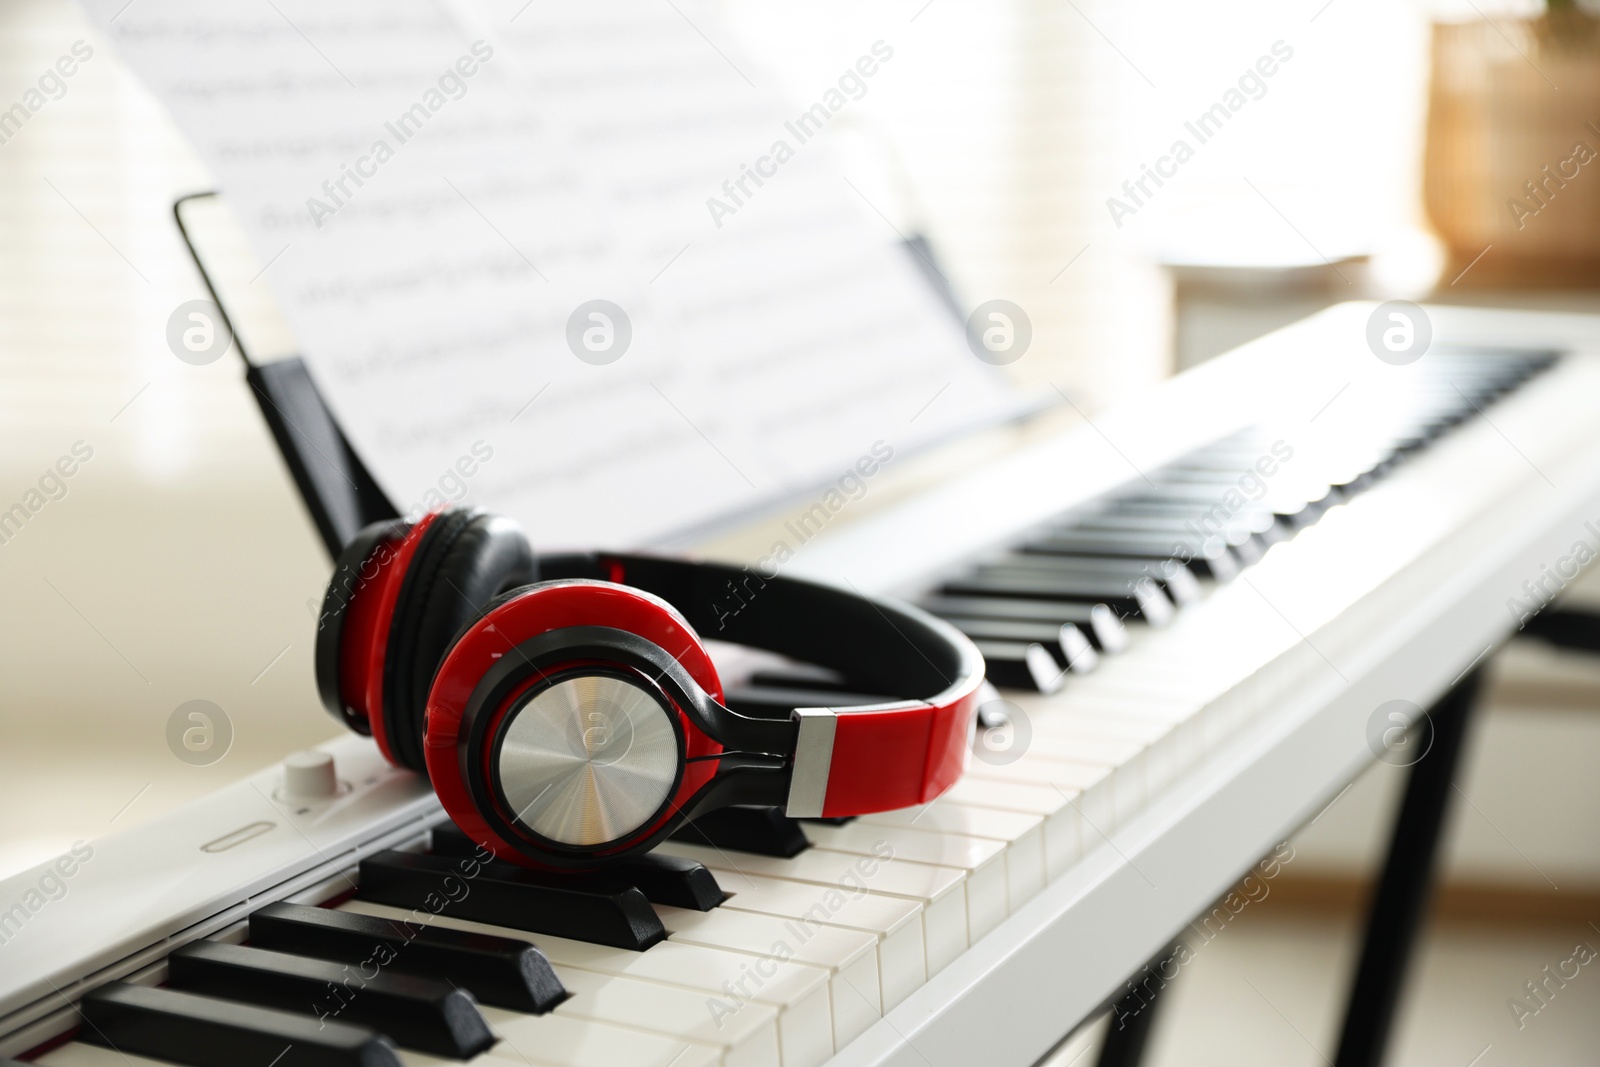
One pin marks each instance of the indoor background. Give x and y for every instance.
(1379, 158)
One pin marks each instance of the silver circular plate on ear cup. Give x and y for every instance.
(588, 760)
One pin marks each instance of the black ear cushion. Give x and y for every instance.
(466, 559)
(350, 575)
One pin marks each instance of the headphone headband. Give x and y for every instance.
(846, 760)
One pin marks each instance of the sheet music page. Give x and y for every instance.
(569, 262)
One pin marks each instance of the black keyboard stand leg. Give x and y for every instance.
(1566, 628)
(1399, 906)
(1133, 1016)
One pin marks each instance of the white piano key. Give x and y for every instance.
(1105, 797)
(746, 1032)
(1138, 680)
(1022, 833)
(895, 921)
(1112, 709)
(1092, 789)
(1064, 831)
(1124, 757)
(1119, 752)
(563, 1041)
(1171, 745)
(1161, 755)
(988, 895)
(850, 956)
(940, 890)
(77, 1054)
(798, 991)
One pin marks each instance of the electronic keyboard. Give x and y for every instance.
(1192, 608)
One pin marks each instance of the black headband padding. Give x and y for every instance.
(465, 560)
(886, 646)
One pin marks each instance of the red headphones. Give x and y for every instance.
(579, 718)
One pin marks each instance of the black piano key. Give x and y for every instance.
(1105, 631)
(1354, 483)
(1119, 597)
(1357, 475)
(673, 881)
(1064, 640)
(1021, 665)
(614, 914)
(1230, 464)
(179, 1027)
(669, 880)
(501, 971)
(1096, 621)
(1177, 580)
(1138, 598)
(1170, 576)
(426, 1014)
(1208, 557)
(448, 840)
(1296, 517)
(1226, 467)
(1254, 518)
(1294, 510)
(1275, 533)
(1209, 486)
(759, 831)
(1402, 445)
(1241, 540)
(1248, 549)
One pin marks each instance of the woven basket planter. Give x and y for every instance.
(1513, 150)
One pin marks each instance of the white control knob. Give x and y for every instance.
(309, 775)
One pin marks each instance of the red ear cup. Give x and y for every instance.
(352, 628)
(399, 594)
(507, 695)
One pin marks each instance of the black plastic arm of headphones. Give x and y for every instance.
(756, 769)
(745, 734)
(881, 645)
(743, 778)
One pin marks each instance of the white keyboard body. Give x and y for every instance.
(1018, 906)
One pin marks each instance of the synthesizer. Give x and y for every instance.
(1191, 609)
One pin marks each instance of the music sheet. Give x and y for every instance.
(570, 262)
